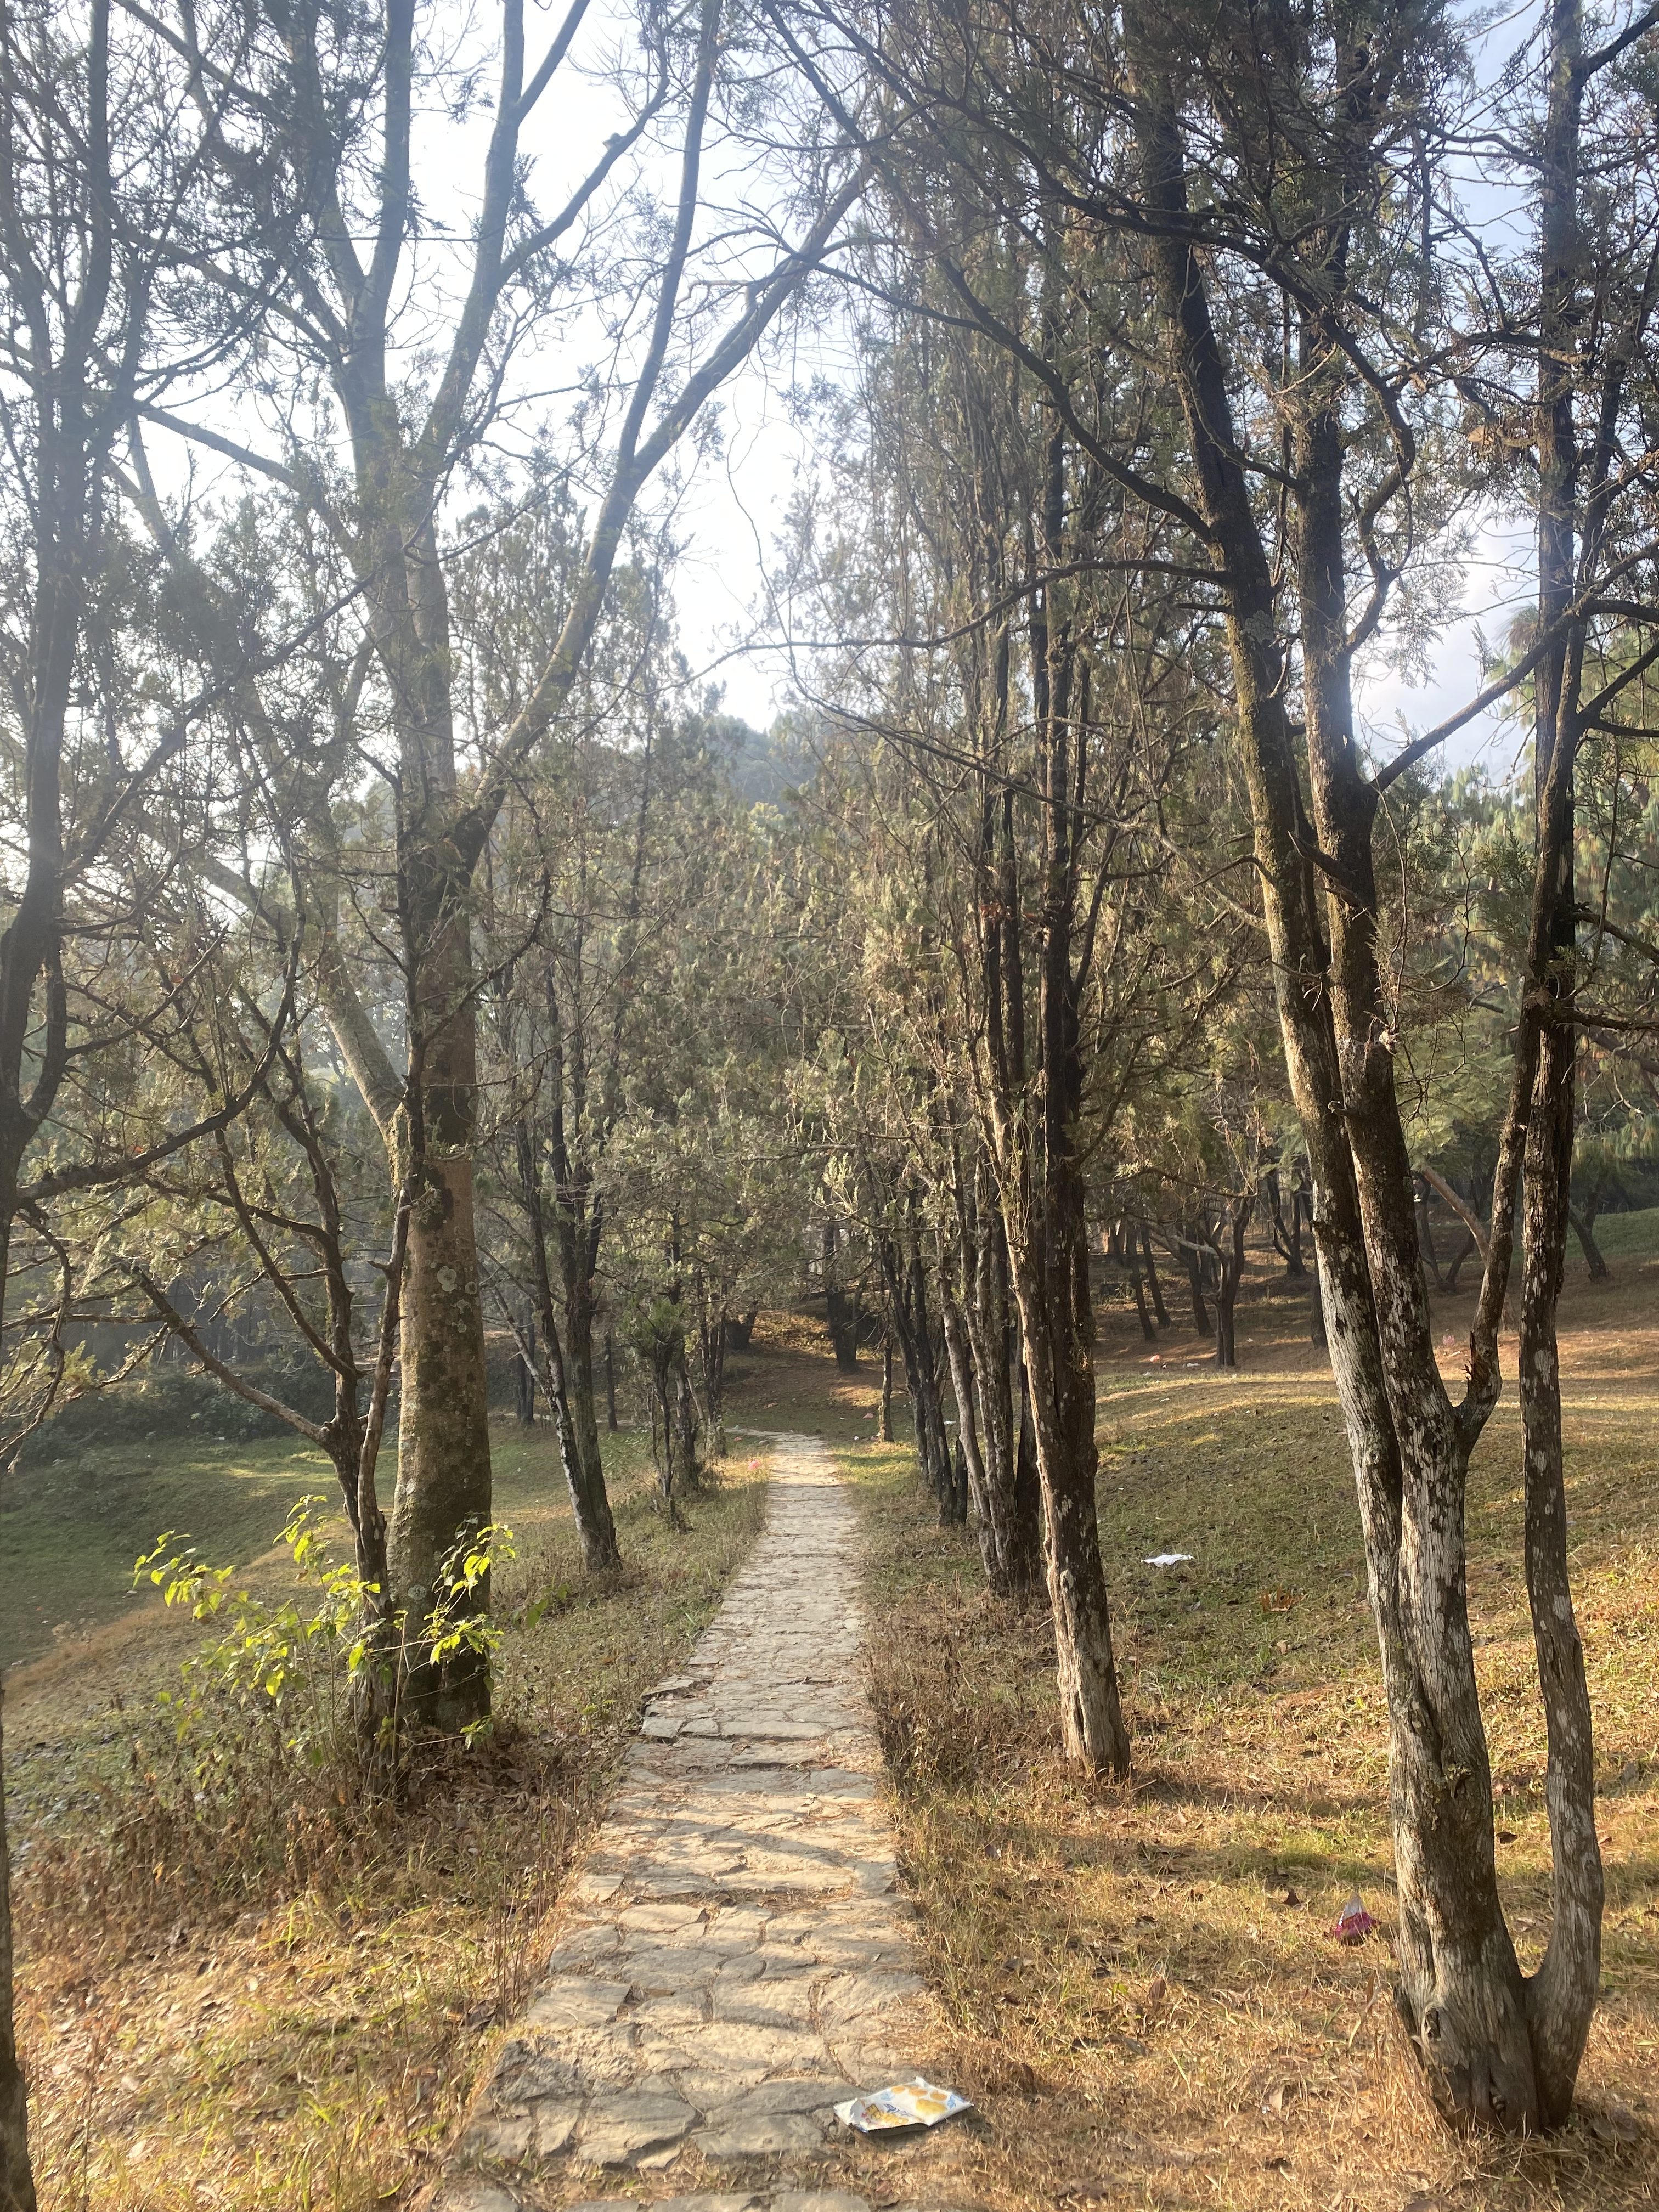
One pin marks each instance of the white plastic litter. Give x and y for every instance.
(916, 2103)
(1169, 1559)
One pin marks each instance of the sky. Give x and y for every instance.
(731, 509)
(1500, 581)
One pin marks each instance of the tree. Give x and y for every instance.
(1026, 763)
(283, 1200)
(318, 151)
(1490, 2046)
(1265, 188)
(93, 174)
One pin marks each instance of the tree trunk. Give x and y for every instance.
(590, 1502)
(1152, 1283)
(843, 1331)
(1467, 1250)
(1033, 1133)
(523, 1375)
(920, 1435)
(1028, 1494)
(443, 1492)
(930, 1410)
(1300, 1212)
(1426, 1235)
(970, 1474)
(1044, 1217)
(686, 1426)
(578, 1253)
(611, 1422)
(1190, 1246)
(1014, 1560)
(1460, 1994)
(906, 1294)
(1059, 1353)
(1561, 1996)
(1231, 1273)
(1226, 1337)
(443, 1489)
(1288, 1245)
(662, 1428)
(1583, 1228)
(712, 1336)
(886, 1430)
(1138, 1288)
(839, 1311)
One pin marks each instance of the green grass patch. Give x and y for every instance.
(1623, 1235)
(70, 1528)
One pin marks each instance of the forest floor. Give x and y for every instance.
(1137, 1985)
(292, 2018)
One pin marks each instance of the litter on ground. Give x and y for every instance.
(915, 2104)
(1353, 1923)
(1168, 1559)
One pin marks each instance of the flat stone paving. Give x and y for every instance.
(734, 1956)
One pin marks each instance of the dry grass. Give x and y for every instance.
(1137, 1985)
(316, 2052)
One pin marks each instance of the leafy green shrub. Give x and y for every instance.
(281, 1759)
(331, 1671)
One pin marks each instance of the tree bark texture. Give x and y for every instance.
(1014, 1555)
(1460, 1993)
(1192, 1247)
(839, 1311)
(524, 1376)
(1044, 1210)
(1033, 1136)
(906, 1280)
(1561, 1996)
(1138, 1287)
(969, 1476)
(1159, 1309)
(1230, 1274)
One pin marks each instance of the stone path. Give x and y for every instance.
(733, 1957)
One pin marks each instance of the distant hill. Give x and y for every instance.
(764, 765)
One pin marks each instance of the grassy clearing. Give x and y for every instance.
(317, 2052)
(1623, 1235)
(70, 1528)
(1137, 1984)
(71, 1531)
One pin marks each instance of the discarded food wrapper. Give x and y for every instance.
(1168, 1559)
(1353, 1923)
(916, 2103)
